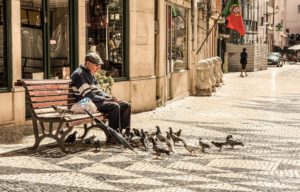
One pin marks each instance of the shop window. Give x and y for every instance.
(3, 63)
(105, 33)
(45, 45)
(176, 38)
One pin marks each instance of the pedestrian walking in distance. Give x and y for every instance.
(243, 61)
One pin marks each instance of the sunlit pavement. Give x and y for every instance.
(261, 110)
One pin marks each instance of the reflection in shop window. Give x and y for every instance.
(177, 38)
(3, 64)
(105, 21)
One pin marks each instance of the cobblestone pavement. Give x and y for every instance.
(261, 110)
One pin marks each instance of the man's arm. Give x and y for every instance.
(83, 88)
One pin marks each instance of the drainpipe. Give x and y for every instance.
(194, 22)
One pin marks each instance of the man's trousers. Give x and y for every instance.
(119, 113)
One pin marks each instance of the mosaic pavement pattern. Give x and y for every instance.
(261, 110)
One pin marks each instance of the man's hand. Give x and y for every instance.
(112, 99)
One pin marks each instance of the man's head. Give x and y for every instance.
(93, 62)
(244, 49)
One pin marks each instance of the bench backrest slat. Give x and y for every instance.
(45, 93)
(48, 87)
(69, 98)
(50, 93)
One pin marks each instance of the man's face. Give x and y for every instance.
(93, 67)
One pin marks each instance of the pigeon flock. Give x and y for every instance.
(161, 144)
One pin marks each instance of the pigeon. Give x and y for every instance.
(203, 145)
(136, 132)
(169, 142)
(218, 144)
(158, 149)
(71, 138)
(97, 145)
(135, 140)
(144, 140)
(229, 137)
(178, 133)
(60, 110)
(89, 140)
(190, 148)
(174, 137)
(230, 141)
(159, 136)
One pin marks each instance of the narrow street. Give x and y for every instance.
(261, 110)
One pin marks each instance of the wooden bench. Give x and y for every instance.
(42, 94)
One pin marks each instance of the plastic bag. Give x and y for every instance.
(85, 103)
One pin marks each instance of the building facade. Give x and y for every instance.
(292, 19)
(146, 45)
(272, 24)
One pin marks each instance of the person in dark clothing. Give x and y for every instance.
(243, 61)
(84, 84)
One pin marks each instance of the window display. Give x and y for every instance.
(177, 38)
(105, 23)
(38, 37)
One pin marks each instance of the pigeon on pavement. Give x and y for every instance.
(218, 144)
(203, 145)
(97, 145)
(158, 149)
(71, 138)
(230, 141)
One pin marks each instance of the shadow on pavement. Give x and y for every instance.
(14, 134)
(51, 150)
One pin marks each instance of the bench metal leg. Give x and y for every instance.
(37, 139)
(40, 135)
(86, 130)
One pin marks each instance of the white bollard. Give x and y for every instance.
(216, 71)
(220, 68)
(212, 74)
(203, 82)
